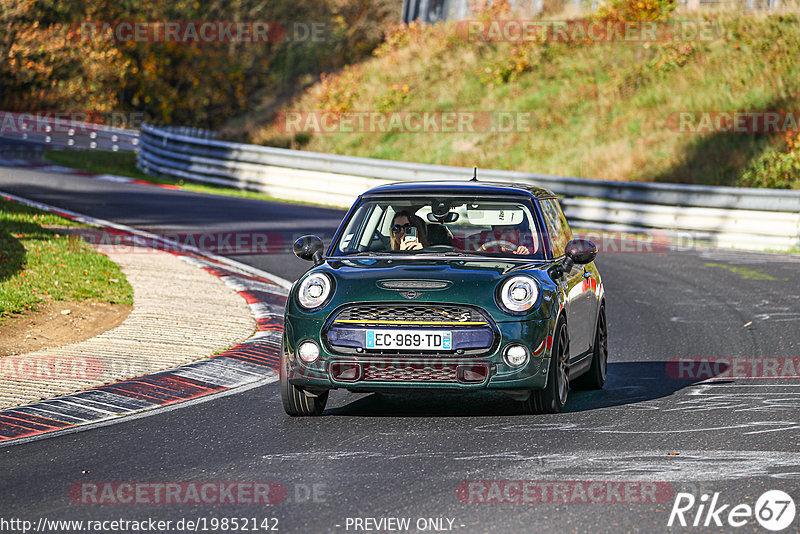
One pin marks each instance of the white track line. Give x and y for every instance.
(141, 233)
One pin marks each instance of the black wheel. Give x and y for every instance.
(553, 397)
(295, 401)
(595, 377)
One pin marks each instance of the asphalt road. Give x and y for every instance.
(406, 456)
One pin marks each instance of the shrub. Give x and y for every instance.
(630, 10)
(776, 168)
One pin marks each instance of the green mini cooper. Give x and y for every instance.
(447, 285)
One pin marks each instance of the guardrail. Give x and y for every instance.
(55, 132)
(722, 216)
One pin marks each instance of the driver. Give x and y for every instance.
(504, 238)
(401, 223)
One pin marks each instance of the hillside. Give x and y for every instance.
(607, 110)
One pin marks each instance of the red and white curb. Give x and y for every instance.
(249, 364)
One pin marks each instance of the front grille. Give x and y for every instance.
(420, 313)
(399, 372)
(414, 284)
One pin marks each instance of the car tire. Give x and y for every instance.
(295, 401)
(595, 377)
(552, 398)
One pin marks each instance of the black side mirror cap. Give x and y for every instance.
(581, 251)
(309, 248)
(578, 251)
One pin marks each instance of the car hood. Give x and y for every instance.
(465, 280)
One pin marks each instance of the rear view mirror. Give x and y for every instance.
(449, 217)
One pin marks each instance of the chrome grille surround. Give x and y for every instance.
(406, 312)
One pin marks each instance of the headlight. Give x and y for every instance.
(314, 290)
(519, 293)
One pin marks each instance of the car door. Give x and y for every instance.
(579, 306)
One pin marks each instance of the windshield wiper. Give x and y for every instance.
(442, 253)
(367, 253)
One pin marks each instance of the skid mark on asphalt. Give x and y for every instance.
(661, 465)
(759, 426)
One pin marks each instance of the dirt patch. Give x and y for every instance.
(58, 323)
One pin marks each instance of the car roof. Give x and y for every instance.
(454, 187)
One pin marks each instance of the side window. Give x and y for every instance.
(557, 227)
(363, 223)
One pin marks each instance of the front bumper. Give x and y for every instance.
(371, 372)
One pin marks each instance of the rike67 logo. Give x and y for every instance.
(774, 510)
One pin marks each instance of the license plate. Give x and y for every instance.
(410, 339)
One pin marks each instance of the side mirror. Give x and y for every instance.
(581, 251)
(578, 251)
(309, 248)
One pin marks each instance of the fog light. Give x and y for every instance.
(471, 374)
(516, 355)
(308, 351)
(345, 371)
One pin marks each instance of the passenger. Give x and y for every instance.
(401, 223)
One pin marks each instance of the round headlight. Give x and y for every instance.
(518, 294)
(314, 290)
(516, 355)
(308, 351)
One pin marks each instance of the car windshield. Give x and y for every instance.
(495, 227)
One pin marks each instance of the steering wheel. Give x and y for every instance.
(502, 243)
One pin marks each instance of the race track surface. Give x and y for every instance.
(411, 456)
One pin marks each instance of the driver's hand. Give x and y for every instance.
(410, 245)
(522, 250)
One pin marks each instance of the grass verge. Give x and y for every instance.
(38, 263)
(605, 110)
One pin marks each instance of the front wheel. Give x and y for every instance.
(553, 397)
(295, 401)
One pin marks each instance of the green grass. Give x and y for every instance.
(99, 162)
(39, 264)
(599, 110)
(744, 272)
(124, 164)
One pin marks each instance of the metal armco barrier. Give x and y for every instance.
(723, 216)
(61, 133)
